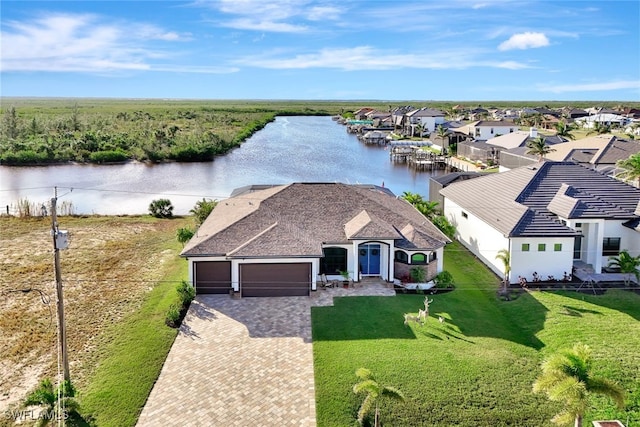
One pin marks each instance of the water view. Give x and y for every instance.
(290, 149)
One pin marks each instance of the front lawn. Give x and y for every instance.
(476, 368)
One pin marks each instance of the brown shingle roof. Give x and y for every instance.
(297, 219)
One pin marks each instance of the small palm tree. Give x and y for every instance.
(567, 377)
(599, 128)
(56, 402)
(374, 391)
(505, 256)
(627, 264)
(564, 129)
(539, 147)
(630, 168)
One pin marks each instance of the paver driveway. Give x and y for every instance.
(238, 362)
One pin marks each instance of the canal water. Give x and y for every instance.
(290, 149)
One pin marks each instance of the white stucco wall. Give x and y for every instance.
(483, 241)
(546, 263)
(485, 131)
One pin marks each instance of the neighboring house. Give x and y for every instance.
(599, 152)
(437, 183)
(428, 118)
(361, 113)
(278, 240)
(576, 113)
(607, 119)
(486, 129)
(547, 216)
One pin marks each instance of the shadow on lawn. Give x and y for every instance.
(623, 300)
(466, 316)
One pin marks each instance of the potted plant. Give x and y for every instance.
(346, 276)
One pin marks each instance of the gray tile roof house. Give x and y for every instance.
(278, 227)
(546, 203)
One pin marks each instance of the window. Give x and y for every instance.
(611, 246)
(334, 260)
(401, 256)
(418, 259)
(433, 256)
(491, 131)
(557, 247)
(464, 215)
(525, 247)
(578, 225)
(542, 247)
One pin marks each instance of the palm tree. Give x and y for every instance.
(425, 207)
(564, 129)
(374, 390)
(599, 128)
(567, 377)
(631, 168)
(505, 256)
(442, 133)
(539, 147)
(627, 264)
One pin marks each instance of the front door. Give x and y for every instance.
(369, 259)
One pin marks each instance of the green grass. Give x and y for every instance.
(476, 369)
(132, 356)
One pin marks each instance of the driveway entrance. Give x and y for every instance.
(238, 362)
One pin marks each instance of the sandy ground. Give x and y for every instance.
(111, 262)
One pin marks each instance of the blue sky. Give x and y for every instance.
(300, 49)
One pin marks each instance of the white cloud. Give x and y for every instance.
(264, 25)
(526, 40)
(369, 58)
(590, 87)
(82, 43)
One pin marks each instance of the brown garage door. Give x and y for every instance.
(275, 280)
(212, 277)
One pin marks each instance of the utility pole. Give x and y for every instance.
(62, 335)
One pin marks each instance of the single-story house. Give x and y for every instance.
(279, 240)
(546, 215)
(607, 119)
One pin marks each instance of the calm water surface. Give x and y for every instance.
(291, 149)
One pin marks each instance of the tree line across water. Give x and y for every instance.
(32, 134)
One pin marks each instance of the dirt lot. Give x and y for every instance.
(111, 262)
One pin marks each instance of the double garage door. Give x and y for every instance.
(256, 280)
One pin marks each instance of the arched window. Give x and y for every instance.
(333, 261)
(433, 256)
(401, 256)
(418, 258)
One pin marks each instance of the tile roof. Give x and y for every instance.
(295, 220)
(526, 201)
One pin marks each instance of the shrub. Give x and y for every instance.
(418, 275)
(184, 234)
(444, 280)
(172, 318)
(109, 156)
(161, 208)
(24, 157)
(444, 225)
(186, 292)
